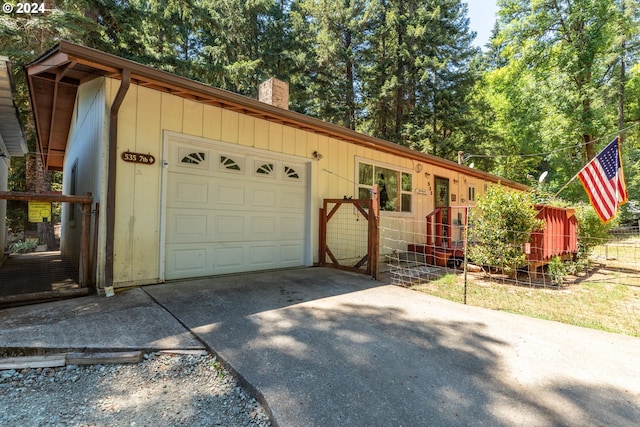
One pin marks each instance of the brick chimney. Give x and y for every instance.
(274, 92)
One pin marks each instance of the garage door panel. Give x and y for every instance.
(291, 254)
(264, 226)
(183, 226)
(188, 190)
(229, 227)
(294, 199)
(191, 192)
(229, 194)
(292, 224)
(262, 255)
(263, 197)
(228, 257)
(186, 262)
(191, 225)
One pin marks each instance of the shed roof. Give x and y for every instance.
(55, 76)
(10, 128)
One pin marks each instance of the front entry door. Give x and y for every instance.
(442, 201)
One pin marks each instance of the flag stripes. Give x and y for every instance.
(603, 180)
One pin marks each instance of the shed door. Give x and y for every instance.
(442, 201)
(230, 211)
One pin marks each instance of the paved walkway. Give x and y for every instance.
(325, 347)
(129, 321)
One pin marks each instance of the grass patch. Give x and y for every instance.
(623, 253)
(607, 305)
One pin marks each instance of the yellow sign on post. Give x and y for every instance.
(39, 212)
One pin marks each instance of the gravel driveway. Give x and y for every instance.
(163, 390)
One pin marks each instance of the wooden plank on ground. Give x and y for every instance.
(187, 352)
(43, 296)
(116, 357)
(23, 362)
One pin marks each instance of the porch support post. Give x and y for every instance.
(111, 182)
(84, 275)
(374, 234)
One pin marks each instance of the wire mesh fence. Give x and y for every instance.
(346, 235)
(34, 264)
(600, 288)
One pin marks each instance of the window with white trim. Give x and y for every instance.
(395, 187)
(472, 194)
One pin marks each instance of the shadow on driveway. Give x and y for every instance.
(325, 347)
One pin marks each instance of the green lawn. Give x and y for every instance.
(599, 301)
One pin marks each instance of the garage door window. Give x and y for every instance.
(291, 173)
(195, 158)
(266, 169)
(230, 164)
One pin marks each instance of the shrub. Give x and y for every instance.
(502, 224)
(23, 246)
(557, 270)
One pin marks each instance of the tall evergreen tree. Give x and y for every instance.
(333, 32)
(417, 73)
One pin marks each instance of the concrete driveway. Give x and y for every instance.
(329, 348)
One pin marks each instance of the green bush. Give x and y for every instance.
(502, 224)
(557, 270)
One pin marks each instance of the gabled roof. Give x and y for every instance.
(55, 76)
(10, 128)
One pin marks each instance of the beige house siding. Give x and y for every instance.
(86, 149)
(138, 186)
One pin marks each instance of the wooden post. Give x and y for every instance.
(449, 228)
(466, 249)
(429, 230)
(439, 230)
(84, 277)
(94, 250)
(322, 238)
(374, 235)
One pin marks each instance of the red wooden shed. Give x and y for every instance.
(559, 237)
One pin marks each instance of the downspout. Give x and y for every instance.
(111, 179)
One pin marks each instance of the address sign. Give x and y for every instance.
(145, 159)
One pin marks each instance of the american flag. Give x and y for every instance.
(603, 180)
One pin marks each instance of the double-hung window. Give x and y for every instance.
(394, 186)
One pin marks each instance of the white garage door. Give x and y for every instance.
(229, 211)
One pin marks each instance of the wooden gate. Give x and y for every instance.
(349, 234)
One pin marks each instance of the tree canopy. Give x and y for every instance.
(557, 81)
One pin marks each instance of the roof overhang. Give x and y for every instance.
(55, 76)
(12, 142)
